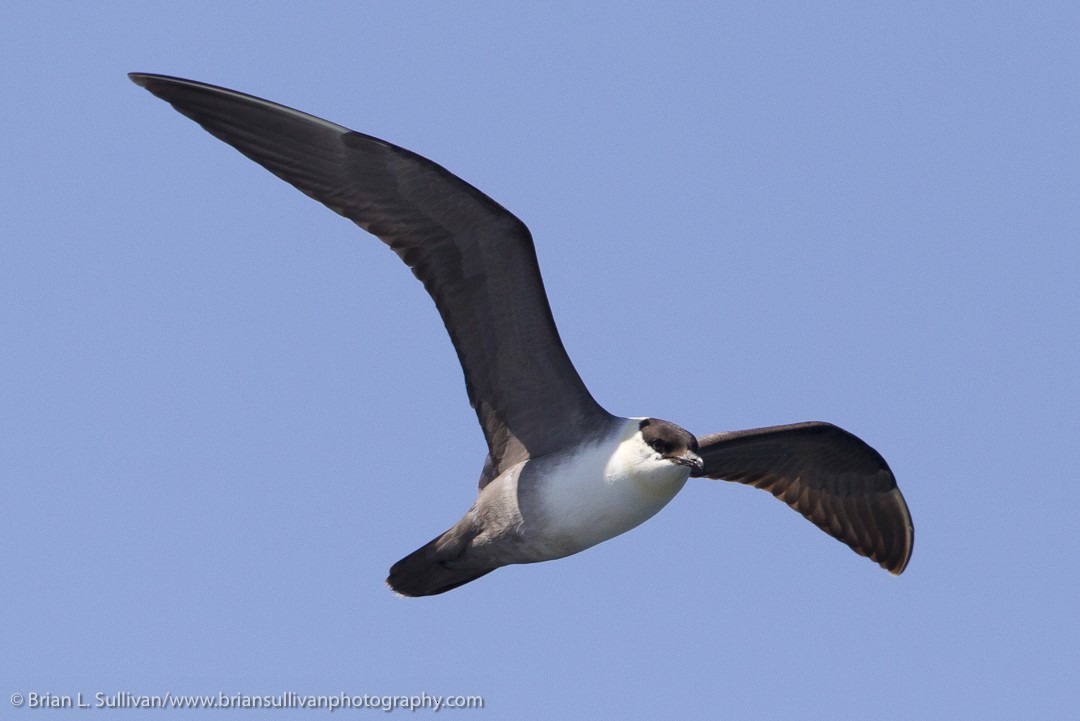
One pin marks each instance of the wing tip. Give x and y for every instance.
(145, 80)
(901, 562)
(899, 565)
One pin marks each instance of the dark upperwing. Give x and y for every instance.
(474, 257)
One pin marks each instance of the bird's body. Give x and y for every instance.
(554, 506)
(562, 474)
(599, 492)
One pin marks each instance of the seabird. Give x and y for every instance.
(561, 474)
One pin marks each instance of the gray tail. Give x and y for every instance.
(429, 571)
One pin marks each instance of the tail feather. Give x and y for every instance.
(429, 571)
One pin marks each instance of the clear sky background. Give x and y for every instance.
(225, 411)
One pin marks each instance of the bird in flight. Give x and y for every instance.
(561, 474)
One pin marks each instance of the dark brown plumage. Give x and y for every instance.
(472, 255)
(834, 479)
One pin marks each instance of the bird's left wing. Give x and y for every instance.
(834, 479)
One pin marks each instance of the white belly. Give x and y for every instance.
(601, 492)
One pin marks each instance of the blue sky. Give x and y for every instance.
(225, 411)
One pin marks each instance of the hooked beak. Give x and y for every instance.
(692, 460)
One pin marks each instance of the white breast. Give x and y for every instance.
(602, 491)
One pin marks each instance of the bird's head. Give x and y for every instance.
(672, 444)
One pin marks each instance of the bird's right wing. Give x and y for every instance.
(834, 479)
(474, 257)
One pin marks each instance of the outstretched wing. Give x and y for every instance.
(474, 257)
(828, 475)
